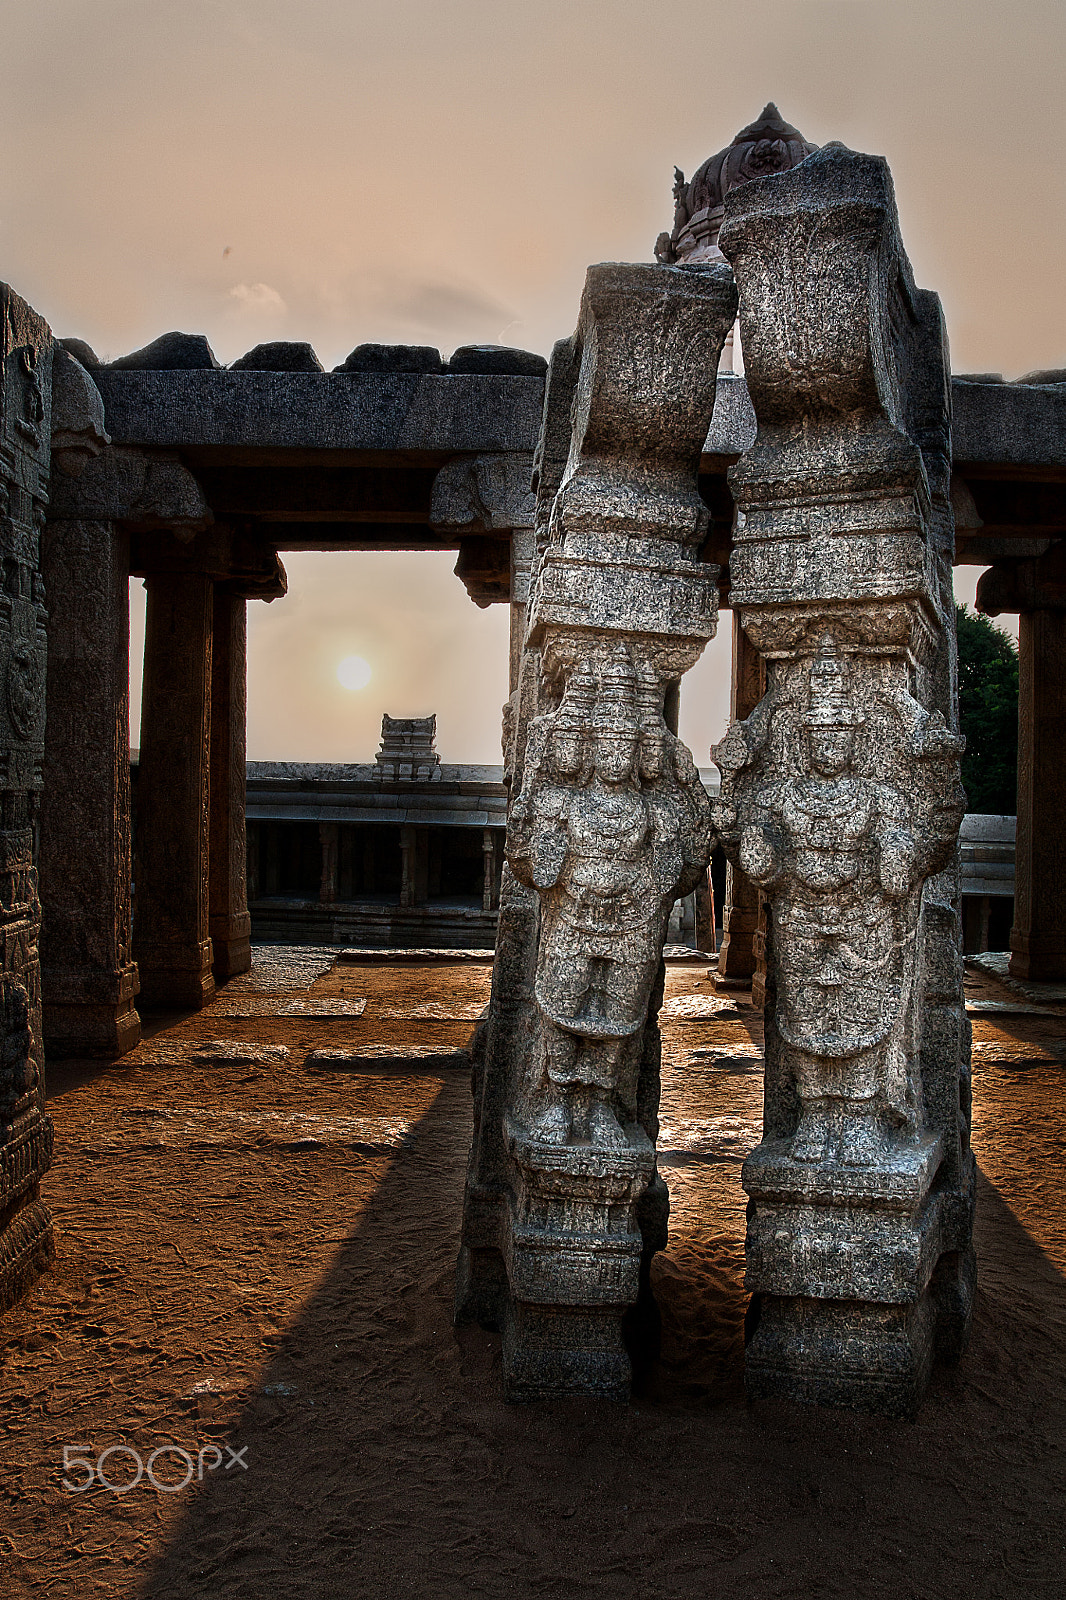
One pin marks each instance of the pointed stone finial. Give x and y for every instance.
(769, 144)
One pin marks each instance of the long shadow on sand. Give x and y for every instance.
(382, 1460)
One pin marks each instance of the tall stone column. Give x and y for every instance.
(329, 841)
(740, 915)
(608, 824)
(841, 796)
(1038, 938)
(89, 978)
(26, 349)
(99, 495)
(172, 942)
(229, 924)
(1036, 589)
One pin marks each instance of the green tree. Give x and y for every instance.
(988, 713)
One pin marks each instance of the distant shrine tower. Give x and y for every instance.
(408, 749)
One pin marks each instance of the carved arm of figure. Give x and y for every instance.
(760, 856)
(896, 866)
(696, 839)
(537, 831)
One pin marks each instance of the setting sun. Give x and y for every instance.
(353, 672)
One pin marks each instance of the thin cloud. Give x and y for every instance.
(258, 297)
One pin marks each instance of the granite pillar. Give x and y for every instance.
(740, 915)
(328, 838)
(171, 935)
(229, 923)
(89, 978)
(608, 824)
(1038, 937)
(26, 352)
(841, 797)
(1035, 588)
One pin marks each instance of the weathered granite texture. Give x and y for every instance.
(841, 796)
(280, 355)
(392, 358)
(486, 358)
(26, 1244)
(171, 352)
(608, 823)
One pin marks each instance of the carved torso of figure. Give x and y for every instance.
(829, 826)
(606, 880)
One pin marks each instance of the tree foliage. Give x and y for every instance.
(988, 713)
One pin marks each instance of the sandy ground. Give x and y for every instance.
(260, 1255)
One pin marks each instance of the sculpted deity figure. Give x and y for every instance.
(839, 854)
(611, 824)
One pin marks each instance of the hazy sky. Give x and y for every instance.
(443, 171)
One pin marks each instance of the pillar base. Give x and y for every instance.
(736, 956)
(90, 1014)
(232, 946)
(97, 1033)
(27, 1249)
(863, 1277)
(1040, 958)
(168, 982)
(573, 1250)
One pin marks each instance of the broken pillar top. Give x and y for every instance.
(767, 145)
(408, 749)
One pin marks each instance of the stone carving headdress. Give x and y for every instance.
(616, 710)
(830, 706)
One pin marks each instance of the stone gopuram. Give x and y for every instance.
(841, 796)
(608, 824)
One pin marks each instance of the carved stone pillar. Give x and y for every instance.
(89, 978)
(171, 936)
(740, 915)
(328, 837)
(229, 924)
(608, 824)
(1036, 589)
(488, 870)
(98, 496)
(841, 796)
(1038, 938)
(26, 1244)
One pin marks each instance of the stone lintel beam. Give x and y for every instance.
(141, 489)
(978, 550)
(414, 414)
(246, 564)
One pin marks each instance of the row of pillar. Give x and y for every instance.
(189, 926)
